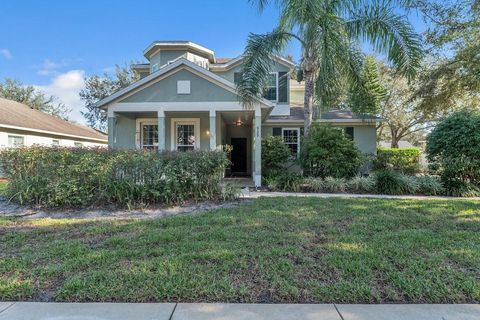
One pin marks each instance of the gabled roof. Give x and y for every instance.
(233, 62)
(15, 115)
(164, 71)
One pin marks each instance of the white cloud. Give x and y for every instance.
(66, 87)
(49, 67)
(5, 53)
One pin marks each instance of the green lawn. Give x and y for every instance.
(268, 250)
(3, 186)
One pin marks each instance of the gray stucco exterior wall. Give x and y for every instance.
(166, 90)
(124, 135)
(365, 138)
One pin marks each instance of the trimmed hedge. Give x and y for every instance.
(79, 177)
(404, 160)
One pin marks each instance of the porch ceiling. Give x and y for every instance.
(231, 117)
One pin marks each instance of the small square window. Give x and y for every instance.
(183, 87)
(78, 144)
(55, 142)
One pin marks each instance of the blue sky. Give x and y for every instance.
(54, 44)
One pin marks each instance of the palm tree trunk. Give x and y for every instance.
(309, 78)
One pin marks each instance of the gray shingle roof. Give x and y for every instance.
(296, 114)
(17, 114)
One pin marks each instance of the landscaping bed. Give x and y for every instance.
(270, 250)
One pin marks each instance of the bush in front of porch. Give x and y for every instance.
(79, 177)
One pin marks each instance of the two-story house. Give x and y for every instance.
(186, 99)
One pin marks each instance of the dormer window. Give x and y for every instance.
(271, 90)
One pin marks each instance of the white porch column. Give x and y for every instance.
(112, 130)
(162, 136)
(257, 134)
(213, 130)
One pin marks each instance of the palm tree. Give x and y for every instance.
(330, 33)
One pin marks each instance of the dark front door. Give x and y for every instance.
(239, 155)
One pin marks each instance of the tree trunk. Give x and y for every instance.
(395, 138)
(309, 77)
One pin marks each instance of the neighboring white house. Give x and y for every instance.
(21, 125)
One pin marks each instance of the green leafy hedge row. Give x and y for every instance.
(79, 177)
(381, 182)
(405, 160)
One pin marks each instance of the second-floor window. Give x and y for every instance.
(271, 91)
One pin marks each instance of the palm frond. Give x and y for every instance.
(389, 33)
(257, 64)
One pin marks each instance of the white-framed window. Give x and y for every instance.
(149, 136)
(271, 90)
(185, 134)
(291, 137)
(77, 144)
(55, 142)
(147, 133)
(16, 141)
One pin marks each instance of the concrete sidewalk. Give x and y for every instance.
(228, 311)
(247, 194)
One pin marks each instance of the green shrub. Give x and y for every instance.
(230, 191)
(405, 160)
(334, 185)
(314, 184)
(453, 147)
(361, 185)
(79, 177)
(274, 154)
(285, 181)
(409, 184)
(430, 186)
(327, 152)
(390, 182)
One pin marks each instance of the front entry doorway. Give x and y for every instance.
(239, 156)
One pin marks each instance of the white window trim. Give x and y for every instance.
(59, 142)
(138, 130)
(173, 132)
(276, 95)
(17, 135)
(298, 137)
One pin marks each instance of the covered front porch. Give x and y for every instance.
(193, 129)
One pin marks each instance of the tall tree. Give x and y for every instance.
(453, 43)
(99, 87)
(366, 96)
(329, 33)
(35, 99)
(404, 111)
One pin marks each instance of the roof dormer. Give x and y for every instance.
(161, 53)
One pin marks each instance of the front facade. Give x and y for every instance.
(22, 126)
(186, 99)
